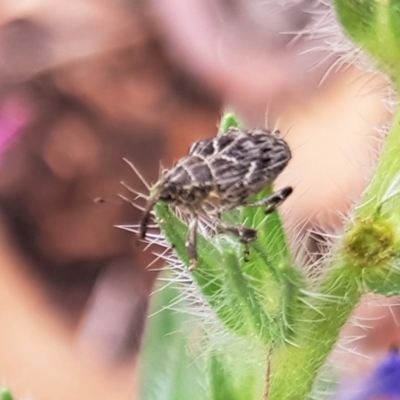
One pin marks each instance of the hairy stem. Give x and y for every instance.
(318, 325)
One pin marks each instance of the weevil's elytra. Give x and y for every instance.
(220, 174)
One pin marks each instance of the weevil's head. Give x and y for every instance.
(276, 133)
(163, 191)
(167, 192)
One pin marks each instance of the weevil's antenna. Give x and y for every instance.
(135, 170)
(145, 217)
(276, 129)
(132, 203)
(138, 194)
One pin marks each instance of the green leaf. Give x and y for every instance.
(358, 17)
(266, 283)
(210, 264)
(168, 370)
(232, 380)
(384, 281)
(374, 25)
(389, 287)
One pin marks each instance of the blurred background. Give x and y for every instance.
(85, 84)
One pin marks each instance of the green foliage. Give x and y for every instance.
(375, 26)
(259, 290)
(5, 394)
(168, 370)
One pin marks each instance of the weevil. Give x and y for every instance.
(220, 174)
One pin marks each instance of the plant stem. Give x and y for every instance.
(295, 367)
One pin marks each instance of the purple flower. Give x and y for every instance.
(384, 382)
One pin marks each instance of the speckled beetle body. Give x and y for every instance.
(220, 174)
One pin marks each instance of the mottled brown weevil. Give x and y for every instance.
(220, 174)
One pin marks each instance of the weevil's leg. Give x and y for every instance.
(191, 242)
(245, 235)
(145, 218)
(272, 201)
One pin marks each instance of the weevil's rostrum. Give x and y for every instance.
(220, 174)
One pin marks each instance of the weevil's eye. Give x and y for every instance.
(167, 194)
(167, 197)
(276, 132)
